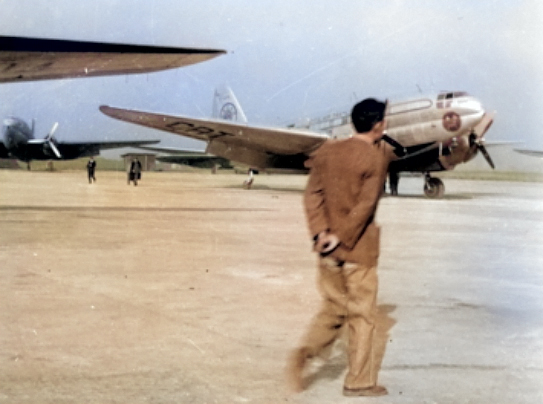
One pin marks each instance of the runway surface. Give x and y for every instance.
(189, 289)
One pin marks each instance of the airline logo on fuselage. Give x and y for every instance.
(192, 130)
(452, 121)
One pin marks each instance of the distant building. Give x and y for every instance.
(9, 163)
(147, 160)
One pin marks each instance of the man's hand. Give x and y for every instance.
(326, 242)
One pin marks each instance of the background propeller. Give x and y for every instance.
(48, 140)
(51, 141)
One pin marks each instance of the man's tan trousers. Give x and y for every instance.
(349, 294)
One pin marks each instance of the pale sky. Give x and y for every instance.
(288, 59)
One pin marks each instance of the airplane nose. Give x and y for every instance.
(475, 106)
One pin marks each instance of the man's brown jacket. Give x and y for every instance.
(345, 183)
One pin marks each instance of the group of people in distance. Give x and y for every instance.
(134, 172)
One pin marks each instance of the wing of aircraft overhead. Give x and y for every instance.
(255, 146)
(25, 59)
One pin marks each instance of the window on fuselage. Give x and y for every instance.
(459, 94)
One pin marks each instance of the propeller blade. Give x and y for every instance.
(485, 154)
(52, 131)
(54, 148)
(51, 141)
(485, 123)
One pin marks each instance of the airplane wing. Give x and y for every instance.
(115, 144)
(177, 155)
(73, 150)
(253, 145)
(172, 150)
(25, 59)
(501, 143)
(529, 152)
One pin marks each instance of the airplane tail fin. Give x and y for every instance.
(226, 106)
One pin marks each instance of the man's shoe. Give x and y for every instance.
(373, 391)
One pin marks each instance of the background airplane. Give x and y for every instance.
(24, 59)
(430, 133)
(18, 142)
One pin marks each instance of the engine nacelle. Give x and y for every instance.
(460, 150)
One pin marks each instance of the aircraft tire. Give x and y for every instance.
(434, 188)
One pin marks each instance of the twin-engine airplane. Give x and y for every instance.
(429, 133)
(18, 142)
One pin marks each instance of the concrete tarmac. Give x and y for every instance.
(190, 289)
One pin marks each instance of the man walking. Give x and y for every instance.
(134, 173)
(91, 168)
(345, 184)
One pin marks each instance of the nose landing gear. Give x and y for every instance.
(433, 187)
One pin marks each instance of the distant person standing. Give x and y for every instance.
(250, 178)
(344, 187)
(91, 168)
(134, 174)
(393, 180)
(139, 170)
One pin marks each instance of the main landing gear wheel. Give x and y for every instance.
(434, 188)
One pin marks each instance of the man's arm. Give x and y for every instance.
(314, 202)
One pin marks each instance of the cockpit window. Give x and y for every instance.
(441, 103)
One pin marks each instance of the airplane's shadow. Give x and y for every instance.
(123, 209)
(447, 197)
(258, 187)
(336, 365)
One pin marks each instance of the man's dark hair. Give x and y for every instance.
(367, 113)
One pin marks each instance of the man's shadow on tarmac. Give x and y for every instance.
(337, 364)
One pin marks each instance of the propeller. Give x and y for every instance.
(49, 140)
(485, 154)
(476, 138)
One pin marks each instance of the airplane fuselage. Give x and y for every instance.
(434, 129)
(426, 120)
(417, 121)
(15, 136)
